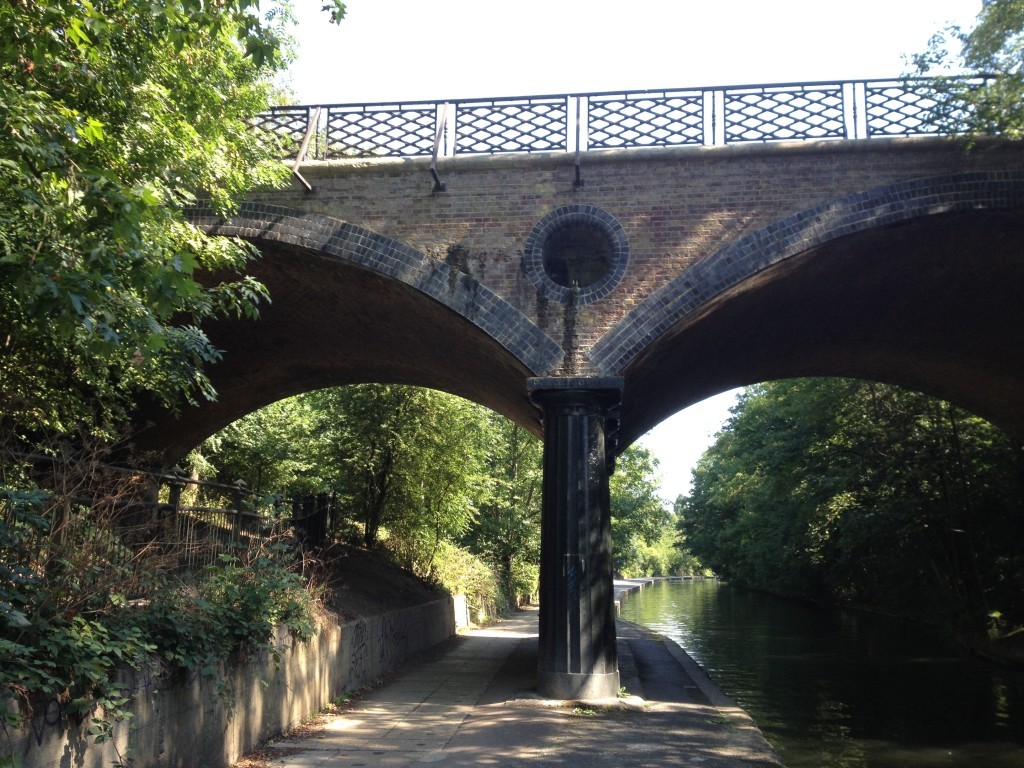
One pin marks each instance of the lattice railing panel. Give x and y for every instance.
(595, 121)
(901, 108)
(784, 113)
(393, 131)
(517, 125)
(645, 121)
(289, 124)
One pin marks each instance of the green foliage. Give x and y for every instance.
(415, 470)
(463, 573)
(847, 490)
(114, 117)
(63, 630)
(274, 449)
(20, 531)
(640, 520)
(748, 485)
(66, 624)
(683, 562)
(406, 464)
(667, 555)
(995, 48)
(233, 608)
(506, 532)
(438, 467)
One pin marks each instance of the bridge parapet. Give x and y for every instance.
(699, 116)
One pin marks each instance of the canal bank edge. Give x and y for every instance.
(731, 712)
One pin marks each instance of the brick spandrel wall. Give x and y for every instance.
(677, 207)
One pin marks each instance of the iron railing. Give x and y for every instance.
(715, 116)
(205, 519)
(168, 521)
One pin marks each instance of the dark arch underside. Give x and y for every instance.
(350, 306)
(916, 284)
(932, 303)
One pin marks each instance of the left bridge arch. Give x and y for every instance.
(916, 283)
(348, 305)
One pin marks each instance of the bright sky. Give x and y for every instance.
(405, 50)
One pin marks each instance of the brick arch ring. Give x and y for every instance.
(459, 292)
(686, 294)
(597, 224)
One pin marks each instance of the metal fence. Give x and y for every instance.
(138, 522)
(204, 520)
(715, 116)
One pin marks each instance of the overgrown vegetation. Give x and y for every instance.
(82, 594)
(115, 116)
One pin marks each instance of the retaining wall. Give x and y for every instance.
(196, 722)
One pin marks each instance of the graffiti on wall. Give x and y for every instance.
(357, 669)
(392, 640)
(52, 713)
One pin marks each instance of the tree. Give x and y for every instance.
(755, 488)
(862, 492)
(418, 471)
(639, 516)
(404, 461)
(684, 562)
(115, 116)
(994, 48)
(506, 531)
(273, 450)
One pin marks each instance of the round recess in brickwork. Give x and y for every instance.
(576, 254)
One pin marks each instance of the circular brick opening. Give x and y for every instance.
(576, 254)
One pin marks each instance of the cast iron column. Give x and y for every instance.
(576, 655)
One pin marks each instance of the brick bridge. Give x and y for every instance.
(894, 260)
(598, 290)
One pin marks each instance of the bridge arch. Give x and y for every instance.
(349, 305)
(915, 283)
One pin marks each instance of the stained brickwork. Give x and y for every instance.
(897, 260)
(731, 210)
(265, 223)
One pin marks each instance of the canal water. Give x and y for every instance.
(842, 689)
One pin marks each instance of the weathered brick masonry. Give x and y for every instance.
(677, 207)
(899, 260)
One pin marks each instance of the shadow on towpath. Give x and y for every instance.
(471, 702)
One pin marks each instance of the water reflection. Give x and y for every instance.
(843, 688)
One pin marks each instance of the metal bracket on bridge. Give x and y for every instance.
(314, 121)
(578, 182)
(442, 126)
